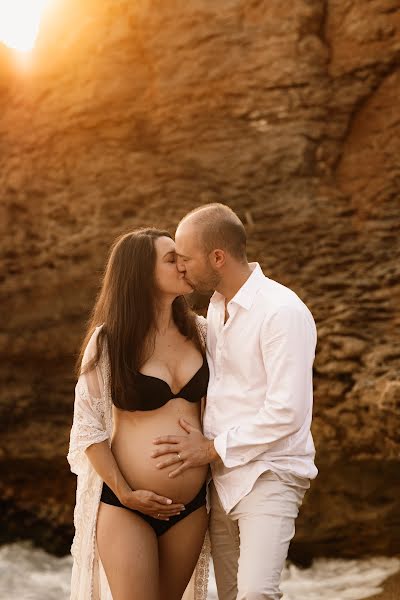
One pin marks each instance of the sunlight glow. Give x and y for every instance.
(19, 22)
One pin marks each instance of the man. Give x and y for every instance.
(260, 347)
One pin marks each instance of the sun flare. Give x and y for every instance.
(20, 22)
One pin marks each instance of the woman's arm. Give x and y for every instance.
(105, 465)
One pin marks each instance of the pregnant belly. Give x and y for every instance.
(132, 447)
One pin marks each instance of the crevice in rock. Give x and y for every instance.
(384, 72)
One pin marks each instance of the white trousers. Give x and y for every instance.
(250, 544)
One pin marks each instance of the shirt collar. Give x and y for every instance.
(245, 295)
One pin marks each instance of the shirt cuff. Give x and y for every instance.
(220, 445)
(235, 457)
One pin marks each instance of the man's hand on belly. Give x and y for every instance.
(188, 451)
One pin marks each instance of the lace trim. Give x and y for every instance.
(85, 430)
(202, 570)
(201, 323)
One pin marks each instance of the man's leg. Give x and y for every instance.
(224, 536)
(266, 519)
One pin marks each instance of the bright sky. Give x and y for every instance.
(19, 22)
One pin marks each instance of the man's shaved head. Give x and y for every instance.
(218, 227)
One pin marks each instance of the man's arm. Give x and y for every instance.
(288, 342)
(186, 451)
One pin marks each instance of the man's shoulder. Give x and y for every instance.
(274, 295)
(278, 301)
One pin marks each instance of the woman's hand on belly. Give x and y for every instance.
(132, 447)
(151, 504)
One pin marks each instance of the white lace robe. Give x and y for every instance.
(92, 423)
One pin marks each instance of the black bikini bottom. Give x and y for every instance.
(159, 527)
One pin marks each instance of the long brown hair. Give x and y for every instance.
(126, 309)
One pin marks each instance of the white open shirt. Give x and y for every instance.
(260, 393)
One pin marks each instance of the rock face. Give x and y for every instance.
(132, 113)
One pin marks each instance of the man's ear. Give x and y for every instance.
(218, 258)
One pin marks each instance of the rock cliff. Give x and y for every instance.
(132, 113)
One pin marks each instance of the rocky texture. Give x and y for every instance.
(132, 113)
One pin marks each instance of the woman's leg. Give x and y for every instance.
(179, 549)
(128, 551)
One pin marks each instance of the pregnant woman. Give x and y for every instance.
(142, 368)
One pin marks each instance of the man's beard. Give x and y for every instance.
(206, 285)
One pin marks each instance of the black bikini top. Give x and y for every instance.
(153, 392)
